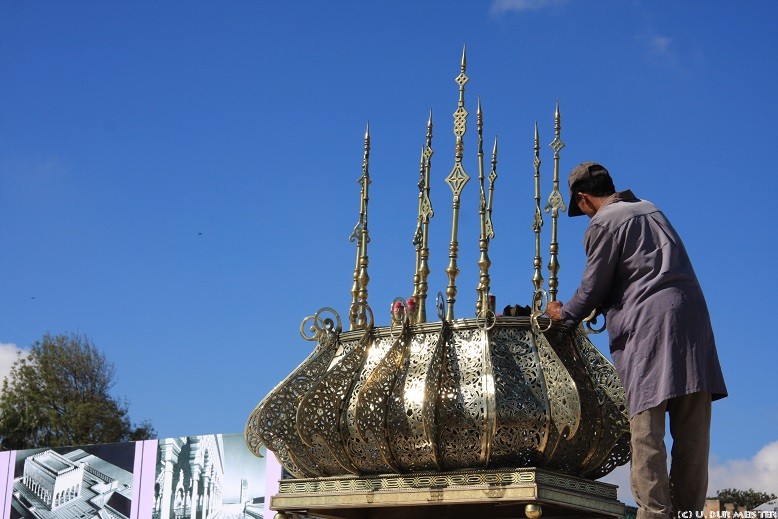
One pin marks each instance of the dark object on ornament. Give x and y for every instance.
(517, 311)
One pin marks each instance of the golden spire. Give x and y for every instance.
(421, 237)
(357, 313)
(537, 222)
(456, 180)
(482, 304)
(555, 204)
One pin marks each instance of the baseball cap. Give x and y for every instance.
(582, 171)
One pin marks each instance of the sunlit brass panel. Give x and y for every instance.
(448, 396)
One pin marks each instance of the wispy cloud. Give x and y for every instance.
(660, 47)
(759, 473)
(659, 44)
(506, 6)
(8, 355)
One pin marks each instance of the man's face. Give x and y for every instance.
(586, 204)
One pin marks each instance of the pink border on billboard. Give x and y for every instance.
(7, 461)
(272, 477)
(143, 474)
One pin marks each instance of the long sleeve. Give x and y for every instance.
(602, 256)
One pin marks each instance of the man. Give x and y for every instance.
(638, 273)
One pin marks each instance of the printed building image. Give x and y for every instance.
(208, 477)
(73, 483)
(189, 477)
(54, 479)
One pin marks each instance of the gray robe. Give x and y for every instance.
(638, 272)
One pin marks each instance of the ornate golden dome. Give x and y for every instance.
(489, 392)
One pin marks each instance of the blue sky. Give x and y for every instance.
(177, 179)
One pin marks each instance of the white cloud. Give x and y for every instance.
(505, 6)
(8, 355)
(759, 472)
(663, 49)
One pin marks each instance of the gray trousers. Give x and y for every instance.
(660, 495)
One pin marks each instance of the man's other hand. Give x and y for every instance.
(554, 310)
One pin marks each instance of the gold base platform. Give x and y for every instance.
(505, 493)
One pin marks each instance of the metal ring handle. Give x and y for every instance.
(398, 314)
(486, 319)
(539, 307)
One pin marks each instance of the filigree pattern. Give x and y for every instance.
(411, 412)
(372, 399)
(318, 414)
(365, 452)
(613, 448)
(272, 424)
(462, 407)
(520, 397)
(580, 445)
(564, 402)
(450, 396)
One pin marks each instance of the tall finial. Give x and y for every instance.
(555, 204)
(537, 225)
(421, 237)
(357, 313)
(492, 180)
(456, 180)
(482, 291)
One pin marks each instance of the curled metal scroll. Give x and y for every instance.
(364, 313)
(539, 306)
(591, 320)
(321, 327)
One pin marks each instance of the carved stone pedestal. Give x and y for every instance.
(504, 493)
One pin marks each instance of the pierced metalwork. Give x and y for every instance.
(441, 396)
(555, 204)
(457, 180)
(364, 451)
(270, 424)
(411, 406)
(462, 438)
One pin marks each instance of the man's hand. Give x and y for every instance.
(554, 310)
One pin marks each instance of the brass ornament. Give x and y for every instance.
(456, 180)
(555, 204)
(533, 511)
(448, 396)
(487, 393)
(421, 236)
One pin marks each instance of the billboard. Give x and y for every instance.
(187, 477)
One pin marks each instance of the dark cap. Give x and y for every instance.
(581, 172)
